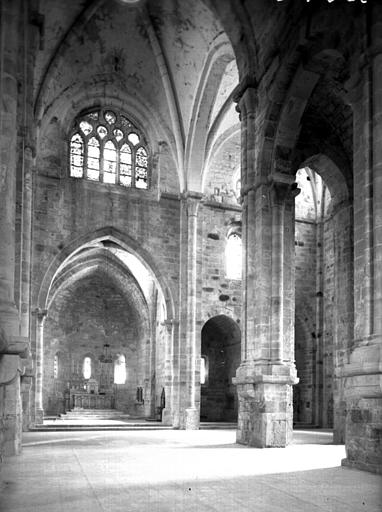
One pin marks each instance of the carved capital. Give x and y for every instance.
(282, 188)
(192, 202)
(40, 314)
(248, 82)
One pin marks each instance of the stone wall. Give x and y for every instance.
(220, 308)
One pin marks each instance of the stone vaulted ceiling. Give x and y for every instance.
(169, 64)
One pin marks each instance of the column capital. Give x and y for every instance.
(170, 323)
(279, 185)
(245, 95)
(282, 187)
(40, 314)
(192, 201)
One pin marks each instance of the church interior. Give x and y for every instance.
(191, 222)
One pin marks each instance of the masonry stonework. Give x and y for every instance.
(262, 122)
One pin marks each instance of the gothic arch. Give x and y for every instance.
(126, 242)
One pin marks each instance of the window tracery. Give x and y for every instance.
(105, 146)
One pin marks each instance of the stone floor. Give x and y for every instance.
(193, 471)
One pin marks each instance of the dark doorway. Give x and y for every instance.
(220, 351)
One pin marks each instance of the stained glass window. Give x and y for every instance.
(109, 162)
(102, 132)
(93, 159)
(106, 147)
(125, 165)
(133, 138)
(110, 117)
(77, 156)
(86, 127)
(118, 134)
(141, 168)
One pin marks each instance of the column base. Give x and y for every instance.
(363, 395)
(39, 417)
(192, 419)
(265, 417)
(10, 406)
(363, 466)
(167, 417)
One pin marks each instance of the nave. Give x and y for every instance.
(187, 471)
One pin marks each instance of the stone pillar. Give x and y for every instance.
(266, 374)
(39, 409)
(344, 311)
(362, 373)
(189, 402)
(26, 242)
(10, 365)
(9, 29)
(168, 411)
(26, 387)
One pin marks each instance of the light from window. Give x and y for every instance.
(233, 255)
(87, 368)
(107, 147)
(203, 370)
(110, 162)
(120, 370)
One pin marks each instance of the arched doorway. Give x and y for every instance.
(102, 337)
(220, 356)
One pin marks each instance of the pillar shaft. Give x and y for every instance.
(9, 30)
(169, 411)
(267, 371)
(188, 352)
(39, 408)
(362, 372)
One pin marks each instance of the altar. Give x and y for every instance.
(89, 397)
(84, 400)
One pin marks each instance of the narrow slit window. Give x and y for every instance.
(120, 370)
(233, 257)
(87, 368)
(203, 370)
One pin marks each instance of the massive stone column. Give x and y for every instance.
(343, 311)
(10, 364)
(188, 353)
(363, 374)
(265, 377)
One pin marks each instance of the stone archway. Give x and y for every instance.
(220, 354)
